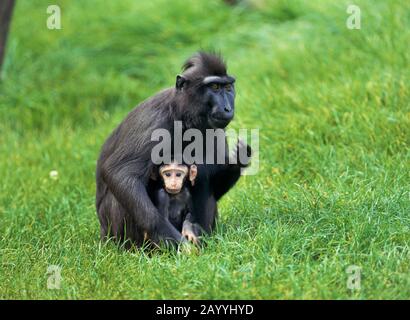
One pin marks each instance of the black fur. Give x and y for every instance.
(175, 207)
(124, 208)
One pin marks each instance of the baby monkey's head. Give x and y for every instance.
(174, 175)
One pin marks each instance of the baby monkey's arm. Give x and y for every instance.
(191, 231)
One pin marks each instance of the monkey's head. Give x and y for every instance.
(173, 176)
(207, 91)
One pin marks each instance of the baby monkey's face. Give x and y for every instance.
(173, 175)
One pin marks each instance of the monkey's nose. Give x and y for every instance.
(227, 108)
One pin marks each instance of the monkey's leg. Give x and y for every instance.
(204, 210)
(116, 223)
(111, 217)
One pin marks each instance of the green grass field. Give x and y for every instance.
(333, 109)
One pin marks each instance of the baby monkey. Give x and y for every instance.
(172, 197)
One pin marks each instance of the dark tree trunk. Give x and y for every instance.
(6, 10)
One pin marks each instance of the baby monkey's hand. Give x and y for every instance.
(189, 233)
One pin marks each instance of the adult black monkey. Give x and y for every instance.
(203, 98)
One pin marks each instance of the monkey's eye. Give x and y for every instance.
(167, 174)
(228, 87)
(178, 174)
(215, 86)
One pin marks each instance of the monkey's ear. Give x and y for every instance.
(180, 81)
(154, 175)
(193, 171)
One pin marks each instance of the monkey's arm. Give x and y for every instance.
(228, 174)
(224, 180)
(190, 230)
(162, 200)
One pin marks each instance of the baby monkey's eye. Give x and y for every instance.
(168, 174)
(178, 174)
(228, 87)
(215, 86)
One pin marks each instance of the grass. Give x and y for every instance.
(333, 109)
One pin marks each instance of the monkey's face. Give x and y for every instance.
(215, 95)
(220, 100)
(174, 175)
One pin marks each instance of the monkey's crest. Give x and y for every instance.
(203, 64)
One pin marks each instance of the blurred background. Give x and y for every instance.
(332, 106)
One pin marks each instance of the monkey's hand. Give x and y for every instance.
(241, 154)
(190, 236)
(188, 232)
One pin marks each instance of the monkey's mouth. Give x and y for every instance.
(172, 191)
(219, 122)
